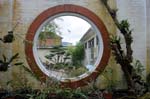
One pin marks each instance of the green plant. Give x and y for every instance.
(18, 82)
(124, 57)
(43, 94)
(92, 91)
(107, 74)
(78, 93)
(6, 63)
(67, 93)
(138, 67)
(78, 54)
(77, 72)
(49, 30)
(148, 81)
(145, 96)
(58, 56)
(30, 72)
(8, 38)
(21, 81)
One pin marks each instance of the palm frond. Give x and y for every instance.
(13, 57)
(31, 73)
(4, 58)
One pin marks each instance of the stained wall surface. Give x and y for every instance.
(135, 12)
(24, 12)
(5, 26)
(148, 35)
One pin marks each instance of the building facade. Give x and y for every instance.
(91, 46)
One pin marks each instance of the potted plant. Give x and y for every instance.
(107, 95)
(108, 92)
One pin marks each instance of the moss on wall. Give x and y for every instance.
(25, 12)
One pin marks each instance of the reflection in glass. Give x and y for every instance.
(67, 47)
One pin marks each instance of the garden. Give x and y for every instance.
(69, 60)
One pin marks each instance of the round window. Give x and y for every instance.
(68, 43)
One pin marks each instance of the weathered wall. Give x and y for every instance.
(25, 11)
(135, 12)
(5, 23)
(5, 26)
(148, 35)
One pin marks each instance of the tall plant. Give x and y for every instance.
(78, 54)
(124, 58)
(49, 30)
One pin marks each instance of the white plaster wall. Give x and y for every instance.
(5, 26)
(148, 34)
(135, 12)
(25, 11)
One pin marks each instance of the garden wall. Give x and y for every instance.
(135, 12)
(148, 35)
(25, 11)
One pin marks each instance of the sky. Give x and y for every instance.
(72, 28)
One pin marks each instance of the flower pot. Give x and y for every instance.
(107, 95)
(11, 97)
(52, 95)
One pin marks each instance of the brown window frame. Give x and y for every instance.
(67, 8)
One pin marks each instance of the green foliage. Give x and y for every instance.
(148, 81)
(49, 30)
(59, 93)
(13, 57)
(44, 35)
(21, 81)
(30, 72)
(145, 96)
(9, 38)
(68, 93)
(124, 26)
(108, 74)
(78, 54)
(59, 56)
(138, 67)
(5, 63)
(115, 39)
(38, 95)
(104, 1)
(77, 72)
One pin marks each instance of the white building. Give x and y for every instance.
(90, 41)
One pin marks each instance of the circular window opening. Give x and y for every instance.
(68, 46)
(69, 43)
